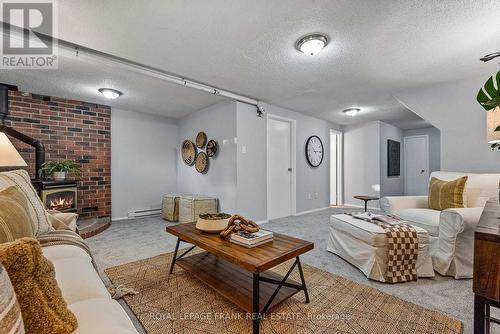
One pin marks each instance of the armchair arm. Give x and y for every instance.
(462, 218)
(392, 204)
(454, 248)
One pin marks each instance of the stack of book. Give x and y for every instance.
(250, 240)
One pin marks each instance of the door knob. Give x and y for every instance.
(422, 171)
(289, 169)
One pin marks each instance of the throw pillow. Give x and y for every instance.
(33, 276)
(15, 221)
(11, 320)
(446, 194)
(38, 214)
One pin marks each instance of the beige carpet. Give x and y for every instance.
(179, 303)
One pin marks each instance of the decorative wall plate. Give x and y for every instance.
(212, 148)
(201, 164)
(188, 152)
(201, 139)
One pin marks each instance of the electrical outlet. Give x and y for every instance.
(309, 196)
(244, 149)
(316, 195)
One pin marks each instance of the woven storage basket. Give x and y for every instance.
(190, 207)
(170, 207)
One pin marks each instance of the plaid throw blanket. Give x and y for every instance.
(402, 244)
(402, 241)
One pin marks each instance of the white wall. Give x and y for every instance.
(143, 160)
(361, 161)
(252, 165)
(390, 185)
(434, 145)
(452, 108)
(238, 179)
(219, 123)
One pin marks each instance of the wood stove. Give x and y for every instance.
(58, 195)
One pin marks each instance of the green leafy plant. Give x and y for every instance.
(489, 95)
(215, 216)
(68, 166)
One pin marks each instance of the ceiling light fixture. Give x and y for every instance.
(351, 111)
(312, 44)
(110, 93)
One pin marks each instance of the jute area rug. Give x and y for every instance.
(179, 303)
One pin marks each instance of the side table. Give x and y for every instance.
(486, 277)
(366, 199)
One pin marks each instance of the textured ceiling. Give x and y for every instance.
(376, 48)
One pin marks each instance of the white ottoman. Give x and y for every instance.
(364, 245)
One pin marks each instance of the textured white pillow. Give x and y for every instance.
(38, 214)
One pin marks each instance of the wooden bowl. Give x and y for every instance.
(212, 225)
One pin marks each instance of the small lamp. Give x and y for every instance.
(493, 119)
(9, 157)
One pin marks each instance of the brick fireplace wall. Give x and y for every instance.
(69, 130)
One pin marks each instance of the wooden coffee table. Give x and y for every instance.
(239, 273)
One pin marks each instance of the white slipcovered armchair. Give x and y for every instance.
(451, 230)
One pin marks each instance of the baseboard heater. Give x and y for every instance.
(143, 213)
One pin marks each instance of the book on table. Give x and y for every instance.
(251, 239)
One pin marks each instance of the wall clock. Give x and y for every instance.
(201, 139)
(188, 152)
(212, 148)
(201, 163)
(314, 151)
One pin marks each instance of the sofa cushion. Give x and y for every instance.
(447, 194)
(427, 219)
(43, 308)
(58, 252)
(79, 280)
(11, 320)
(101, 316)
(38, 214)
(15, 221)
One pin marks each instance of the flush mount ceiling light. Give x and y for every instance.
(110, 93)
(312, 44)
(351, 111)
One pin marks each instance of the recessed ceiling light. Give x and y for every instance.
(351, 111)
(312, 44)
(110, 93)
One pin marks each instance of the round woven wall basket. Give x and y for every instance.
(201, 139)
(188, 152)
(212, 148)
(201, 164)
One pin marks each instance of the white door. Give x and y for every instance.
(279, 164)
(416, 158)
(333, 169)
(336, 168)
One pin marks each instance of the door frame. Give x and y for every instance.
(405, 139)
(293, 162)
(339, 168)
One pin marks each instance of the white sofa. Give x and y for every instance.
(451, 230)
(80, 284)
(85, 293)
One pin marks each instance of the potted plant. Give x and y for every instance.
(59, 168)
